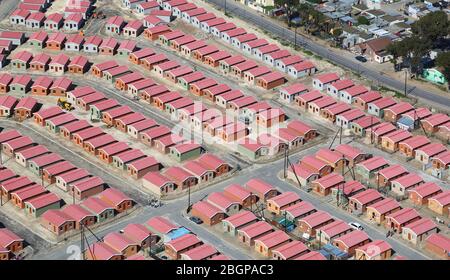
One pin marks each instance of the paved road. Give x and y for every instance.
(286, 34)
(6, 7)
(173, 210)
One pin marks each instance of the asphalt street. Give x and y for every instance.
(348, 62)
(174, 209)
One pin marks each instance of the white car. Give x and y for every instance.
(355, 226)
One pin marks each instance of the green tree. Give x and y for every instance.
(432, 27)
(443, 61)
(362, 20)
(410, 50)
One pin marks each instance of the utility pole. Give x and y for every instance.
(150, 246)
(406, 80)
(189, 199)
(285, 163)
(251, 202)
(338, 188)
(371, 130)
(225, 6)
(295, 37)
(82, 241)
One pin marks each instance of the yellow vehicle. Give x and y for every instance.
(63, 104)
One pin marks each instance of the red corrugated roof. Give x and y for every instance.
(241, 218)
(118, 241)
(316, 219)
(385, 206)
(404, 215)
(432, 149)
(327, 78)
(426, 189)
(43, 200)
(115, 196)
(334, 228)
(57, 217)
(201, 252)
(256, 229)
(206, 209)
(437, 119)
(311, 256)
(76, 212)
(440, 241)
(408, 180)
(421, 226)
(96, 205)
(161, 224)
(300, 209)
(273, 239)
(353, 238)
(183, 242)
(366, 196)
(442, 199)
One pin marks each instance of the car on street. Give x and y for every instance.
(196, 220)
(355, 225)
(361, 58)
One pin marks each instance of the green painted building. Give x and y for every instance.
(19, 64)
(433, 75)
(225, 67)
(358, 130)
(36, 165)
(105, 215)
(252, 151)
(19, 88)
(38, 206)
(184, 152)
(183, 83)
(368, 174)
(55, 127)
(112, 75)
(36, 43)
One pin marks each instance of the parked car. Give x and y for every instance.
(196, 220)
(361, 58)
(356, 226)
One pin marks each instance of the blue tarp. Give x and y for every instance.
(405, 123)
(329, 250)
(177, 233)
(289, 225)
